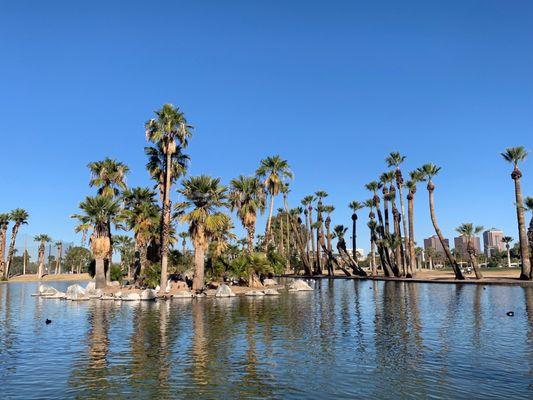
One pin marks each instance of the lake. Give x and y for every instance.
(346, 339)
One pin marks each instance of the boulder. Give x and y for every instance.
(182, 294)
(47, 290)
(269, 282)
(90, 287)
(224, 291)
(76, 292)
(148, 294)
(271, 292)
(200, 295)
(131, 297)
(58, 295)
(254, 293)
(299, 286)
(118, 295)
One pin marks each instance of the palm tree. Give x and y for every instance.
(354, 206)
(109, 176)
(59, 246)
(42, 239)
(203, 196)
(171, 132)
(415, 178)
(307, 203)
(528, 202)
(141, 216)
(125, 246)
(372, 225)
(507, 240)
(98, 212)
(385, 179)
(156, 166)
(183, 236)
(285, 191)
(319, 195)
(83, 228)
(469, 232)
(274, 170)
(515, 155)
(429, 171)
(4, 223)
(327, 223)
(247, 196)
(19, 217)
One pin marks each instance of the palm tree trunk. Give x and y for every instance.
(288, 257)
(281, 246)
(451, 258)
(318, 269)
(11, 251)
(386, 209)
(3, 234)
(307, 230)
(165, 231)
(354, 236)
(251, 234)
(473, 259)
(373, 256)
(267, 232)
(107, 271)
(524, 248)
(198, 279)
(100, 278)
(508, 255)
(313, 251)
(407, 253)
(411, 216)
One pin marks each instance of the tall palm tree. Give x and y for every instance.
(507, 240)
(83, 228)
(328, 209)
(169, 130)
(307, 203)
(274, 170)
(372, 225)
(97, 212)
(109, 177)
(320, 195)
(516, 155)
(156, 166)
(354, 206)
(4, 224)
(395, 159)
(183, 236)
(125, 246)
(19, 217)
(429, 171)
(415, 178)
(528, 202)
(247, 196)
(285, 191)
(203, 197)
(386, 179)
(141, 215)
(42, 239)
(469, 232)
(59, 246)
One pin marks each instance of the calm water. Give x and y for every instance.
(346, 339)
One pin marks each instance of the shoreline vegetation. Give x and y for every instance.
(151, 231)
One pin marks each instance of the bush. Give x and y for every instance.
(151, 276)
(277, 261)
(244, 266)
(116, 272)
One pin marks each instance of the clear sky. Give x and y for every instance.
(331, 86)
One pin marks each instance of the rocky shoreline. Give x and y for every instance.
(179, 290)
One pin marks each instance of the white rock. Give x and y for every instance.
(58, 295)
(271, 292)
(118, 295)
(270, 282)
(183, 294)
(91, 286)
(157, 288)
(299, 286)
(200, 295)
(148, 294)
(76, 292)
(254, 293)
(47, 290)
(131, 297)
(224, 291)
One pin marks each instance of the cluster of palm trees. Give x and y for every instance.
(18, 217)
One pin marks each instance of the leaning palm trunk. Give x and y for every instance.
(331, 260)
(165, 225)
(11, 251)
(473, 259)
(449, 256)
(524, 248)
(341, 248)
(304, 255)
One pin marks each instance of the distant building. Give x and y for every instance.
(434, 243)
(461, 245)
(492, 241)
(361, 255)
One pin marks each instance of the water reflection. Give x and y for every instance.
(346, 339)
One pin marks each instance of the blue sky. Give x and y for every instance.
(330, 86)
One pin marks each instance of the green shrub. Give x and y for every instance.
(277, 261)
(151, 276)
(116, 272)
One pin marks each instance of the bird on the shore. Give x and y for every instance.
(48, 321)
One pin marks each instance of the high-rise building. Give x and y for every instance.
(461, 245)
(492, 241)
(434, 243)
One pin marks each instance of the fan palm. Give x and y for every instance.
(125, 246)
(507, 240)
(469, 232)
(42, 239)
(354, 206)
(170, 131)
(385, 179)
(97, 212)
(4, 224)
(528, 203)
(307, 203)
(203, 196)
(156, 165)
(183, 236)
(59, 246)
(247, 196)
(274, 170)
(19, 217)
(428, 172)
(515, 155)
(415, 178)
